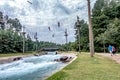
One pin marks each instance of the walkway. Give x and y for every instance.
(115, 57)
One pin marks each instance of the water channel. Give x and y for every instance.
(31, 68)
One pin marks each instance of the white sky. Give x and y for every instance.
(36, 17)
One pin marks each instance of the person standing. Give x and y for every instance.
(113, 50)
(110, 49)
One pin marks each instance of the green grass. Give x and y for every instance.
(87, 68)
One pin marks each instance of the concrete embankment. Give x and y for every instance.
(11, 58)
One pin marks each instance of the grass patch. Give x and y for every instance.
(87, 68)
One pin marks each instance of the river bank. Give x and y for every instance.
(11, 58)
(33, 67)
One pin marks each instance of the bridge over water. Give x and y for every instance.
(49, 49)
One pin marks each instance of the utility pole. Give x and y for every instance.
(91, 42)
(23, 39)
(66, 35)
(78, 29)
(35, 36)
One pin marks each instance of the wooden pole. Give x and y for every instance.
(91, 42)
(66, 35)
(24, 39)
(78, 30)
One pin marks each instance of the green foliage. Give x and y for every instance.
(106, 30)
(87, 68)
(98, 7)
(29, 44)
(84, 40)
(11, 38)
(73, 46)
(9, 41)
(106, 24)
(15, 23)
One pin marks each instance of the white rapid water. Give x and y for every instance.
(30, 68)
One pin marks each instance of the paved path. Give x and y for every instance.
(115, 57)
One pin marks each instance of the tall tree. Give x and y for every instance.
(2, 26)
(29, 43)
(15, 24)
(91, 41)
(105, 23)
(84, 39)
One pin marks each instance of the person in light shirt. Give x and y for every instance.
(110, 49)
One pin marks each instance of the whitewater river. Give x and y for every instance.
(30, 68)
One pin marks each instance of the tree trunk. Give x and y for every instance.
(79, 39)
(91, 43)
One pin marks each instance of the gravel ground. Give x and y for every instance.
(115, 57)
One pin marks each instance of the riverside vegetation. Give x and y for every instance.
(87, 68)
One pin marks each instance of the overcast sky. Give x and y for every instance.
(38, 15)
